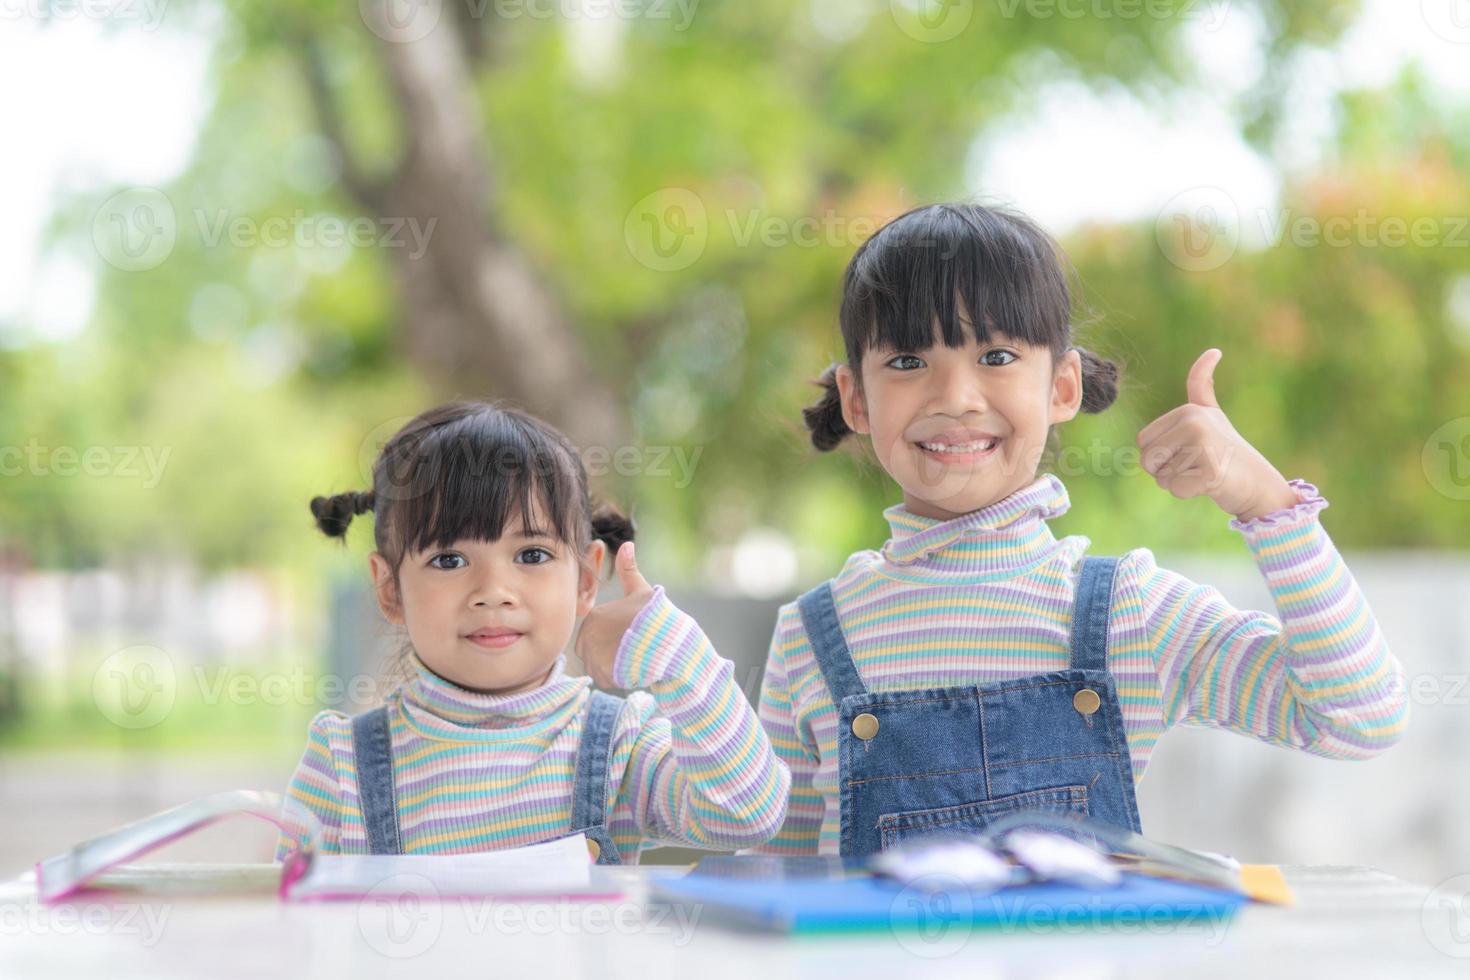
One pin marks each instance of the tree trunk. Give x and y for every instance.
(477, 317)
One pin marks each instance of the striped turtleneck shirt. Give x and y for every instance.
(689, 762)
(988, 596)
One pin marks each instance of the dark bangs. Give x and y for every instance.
(936, 268)
(465, 476)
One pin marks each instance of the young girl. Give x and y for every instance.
(977, 665)
(488, 551)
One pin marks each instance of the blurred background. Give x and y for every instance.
(243, 242)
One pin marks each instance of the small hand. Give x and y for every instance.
(603, 628)
(1194, 450)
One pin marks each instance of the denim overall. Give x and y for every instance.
(956, 758)
(376, 793)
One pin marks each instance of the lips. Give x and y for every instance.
(494, 638)
(959, 445)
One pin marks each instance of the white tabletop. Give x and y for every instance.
(1348, 921)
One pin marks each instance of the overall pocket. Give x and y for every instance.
(894, 828)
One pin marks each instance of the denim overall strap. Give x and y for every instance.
(589, 790)
(1090, 613)
(372, 749)
(819, 617)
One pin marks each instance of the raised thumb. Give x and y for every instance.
(1201, 384)
(626, 563)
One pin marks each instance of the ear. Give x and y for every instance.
(1066, 388)
(854, 411)
(590, 577)
(389, 601)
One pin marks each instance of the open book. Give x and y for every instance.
(557, 868)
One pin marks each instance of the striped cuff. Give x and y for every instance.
(1304, 511)
(661, 640)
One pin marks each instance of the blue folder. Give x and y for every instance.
(807, 895)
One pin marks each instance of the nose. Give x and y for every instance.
(492, 589)
(958, 390)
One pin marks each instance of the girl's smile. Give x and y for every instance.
(956, 446)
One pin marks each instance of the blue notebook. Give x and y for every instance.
(807, 895)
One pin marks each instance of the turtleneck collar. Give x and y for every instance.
(438, 707)
(998, 539)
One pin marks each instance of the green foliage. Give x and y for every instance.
(265, 368)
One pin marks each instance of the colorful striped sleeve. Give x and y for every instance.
(802, 831)
(316, 787)
(701, 770)
(1320, 678)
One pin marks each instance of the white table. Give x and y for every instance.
(1349, 921)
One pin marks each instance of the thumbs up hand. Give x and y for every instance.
(603, 628)
(1194, 450)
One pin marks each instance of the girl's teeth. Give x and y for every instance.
(961, 447)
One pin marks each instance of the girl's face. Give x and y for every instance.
(491, 616)
(960, 428)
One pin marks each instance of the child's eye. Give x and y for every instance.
(434, 562)
(906, 362)
(992, 353)
(534, 556)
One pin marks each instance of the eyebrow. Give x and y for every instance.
(533, 532)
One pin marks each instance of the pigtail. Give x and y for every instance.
(334, 513)
(1099, 381)
(824, 418)
(611, 527)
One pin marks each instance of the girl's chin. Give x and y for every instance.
(934, 502)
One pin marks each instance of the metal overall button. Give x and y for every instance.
(594, 848)
(865, 726)
(1086, 701)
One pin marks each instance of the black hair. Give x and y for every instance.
(953, 265)
(460, 472)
